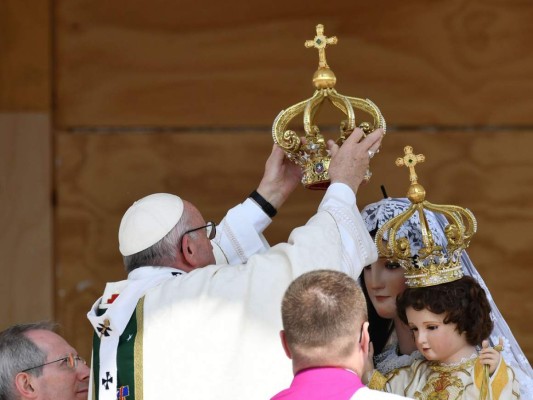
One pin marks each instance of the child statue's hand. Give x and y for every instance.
(490, 355)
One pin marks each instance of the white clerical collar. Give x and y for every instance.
(148, 272)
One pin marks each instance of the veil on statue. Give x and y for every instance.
(376, 214)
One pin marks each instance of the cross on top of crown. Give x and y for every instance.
(320, 42)
(409, 161)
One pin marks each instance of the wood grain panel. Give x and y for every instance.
(99, 175)
(26, 291)
(25, 55)
(131, 63)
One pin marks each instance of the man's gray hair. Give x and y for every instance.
(18, 353)
(163, 253)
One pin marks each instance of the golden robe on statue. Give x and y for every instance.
(432, 380)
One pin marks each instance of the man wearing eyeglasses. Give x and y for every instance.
(36, 363)
(198, 316)
(325, 334)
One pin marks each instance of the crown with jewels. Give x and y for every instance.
(311, 154)
(432, 265)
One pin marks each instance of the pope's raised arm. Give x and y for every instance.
(240, 232)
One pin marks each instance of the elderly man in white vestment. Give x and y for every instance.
(199, 320)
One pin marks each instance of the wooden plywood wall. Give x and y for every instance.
(26, 284)
(179, 97)
(170, 64)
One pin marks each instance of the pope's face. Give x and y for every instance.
(205, 255)
(384, 281)
(58, 380)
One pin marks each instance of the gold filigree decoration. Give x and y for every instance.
(311, 154)
(432, 265)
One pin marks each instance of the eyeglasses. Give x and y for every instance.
(361, 333)
(71, 360)
(211, 229)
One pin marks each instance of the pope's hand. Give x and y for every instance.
(280, 178)
(350, 161)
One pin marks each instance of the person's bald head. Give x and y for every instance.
(323, 313)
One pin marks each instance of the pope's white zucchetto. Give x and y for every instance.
(148, 221)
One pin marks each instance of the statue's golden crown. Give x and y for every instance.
(433, 265)
(311, 154)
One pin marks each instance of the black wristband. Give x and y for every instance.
(265, 205)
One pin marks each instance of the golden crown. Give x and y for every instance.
(432, 265)
(311, 154)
